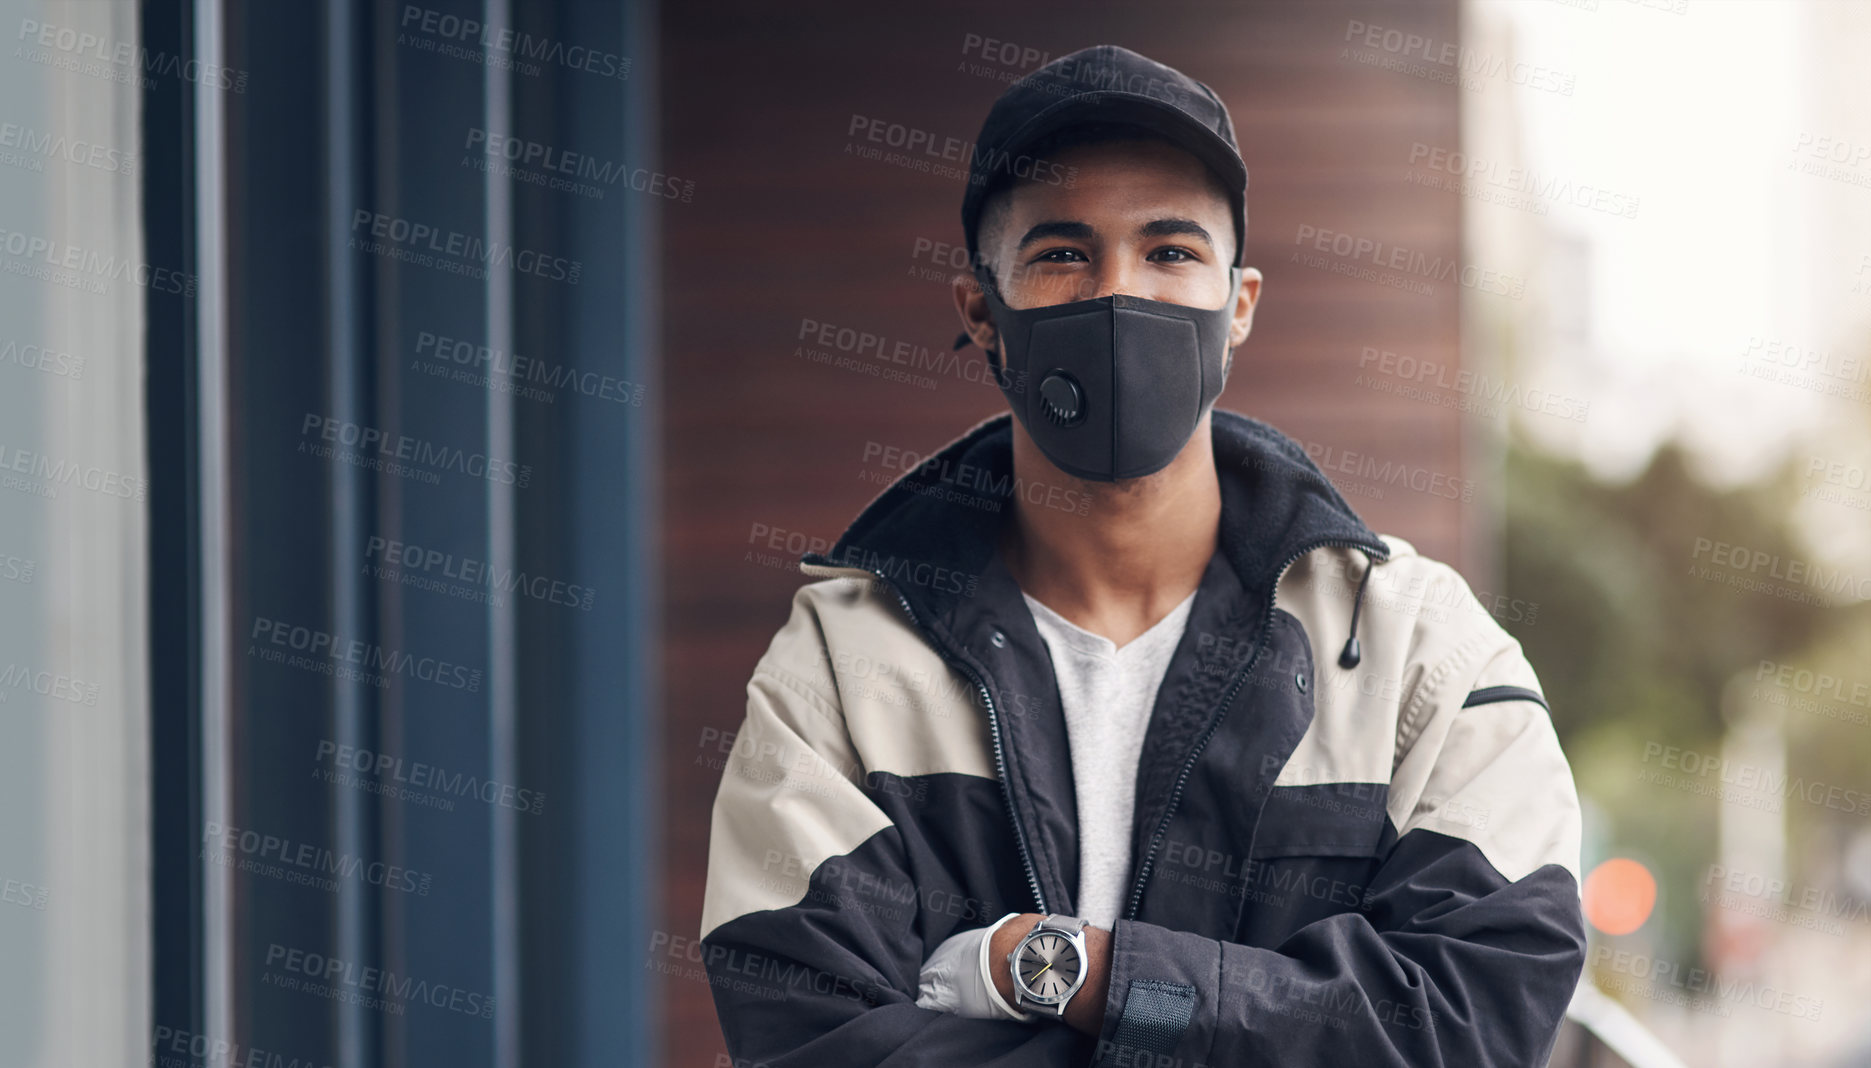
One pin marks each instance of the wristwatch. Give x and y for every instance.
(1048, 965)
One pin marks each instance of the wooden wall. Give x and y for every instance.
(784, 226)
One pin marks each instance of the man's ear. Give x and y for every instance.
(1244, 304)
(971, 304)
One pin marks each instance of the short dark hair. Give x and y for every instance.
(996, 202)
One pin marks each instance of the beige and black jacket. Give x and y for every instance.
(1356, 841)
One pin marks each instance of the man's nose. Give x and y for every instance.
(1111, 279)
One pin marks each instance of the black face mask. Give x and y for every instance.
(1112, 387)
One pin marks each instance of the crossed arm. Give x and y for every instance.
(1453, 959)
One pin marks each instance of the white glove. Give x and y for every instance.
(956, 978)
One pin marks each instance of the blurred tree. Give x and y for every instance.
(1636, 636)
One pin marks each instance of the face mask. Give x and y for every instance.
(1113, 387)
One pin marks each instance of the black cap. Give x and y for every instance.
(1103, 84)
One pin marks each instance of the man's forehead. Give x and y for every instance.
(1150, 209)
(1103, 226)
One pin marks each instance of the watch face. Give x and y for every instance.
(1048, 966)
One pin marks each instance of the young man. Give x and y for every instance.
(1165, 758)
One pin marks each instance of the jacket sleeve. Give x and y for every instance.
(1466, 946)
(812, 935)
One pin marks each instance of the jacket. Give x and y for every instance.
(1356, 836)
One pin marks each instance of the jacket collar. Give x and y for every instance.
(933, 532)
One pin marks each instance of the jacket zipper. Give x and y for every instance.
(1000, 757)
(1188, 765)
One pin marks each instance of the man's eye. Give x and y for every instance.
(1175, 255)
(1058, 255)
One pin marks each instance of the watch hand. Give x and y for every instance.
(1041, 972)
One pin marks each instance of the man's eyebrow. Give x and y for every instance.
(1173, 227)
(1078, 231)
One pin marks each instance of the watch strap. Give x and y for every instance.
(1055, 921)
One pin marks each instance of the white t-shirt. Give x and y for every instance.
(1107, 694)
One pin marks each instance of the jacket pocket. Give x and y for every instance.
(1325, 820)
(1313, 855)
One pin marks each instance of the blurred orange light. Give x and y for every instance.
(1619, 895)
